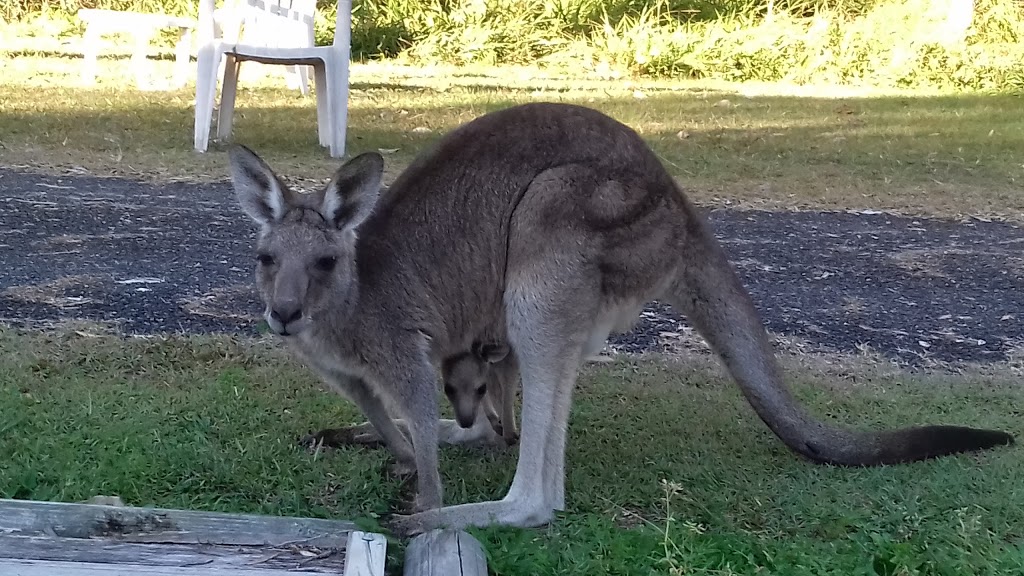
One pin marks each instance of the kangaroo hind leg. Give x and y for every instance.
(550, 313)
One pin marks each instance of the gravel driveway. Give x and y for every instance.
(176, 258)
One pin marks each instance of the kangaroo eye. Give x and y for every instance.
(481, 390)
(265, 259)
(326, 264)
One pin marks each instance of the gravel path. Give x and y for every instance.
(177, 257)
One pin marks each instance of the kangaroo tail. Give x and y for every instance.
(708, 291)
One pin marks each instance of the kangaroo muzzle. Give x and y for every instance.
(465, 412)
(285, 314)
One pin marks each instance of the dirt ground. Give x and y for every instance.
(177, 258)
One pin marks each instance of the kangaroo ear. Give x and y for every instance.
(491, 352)
(259, 192)
(352, 193)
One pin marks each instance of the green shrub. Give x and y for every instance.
(877, 42)
(21, 9)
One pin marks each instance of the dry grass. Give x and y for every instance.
(217, 303)
(755, 145)
(59, 293)
(924, 262)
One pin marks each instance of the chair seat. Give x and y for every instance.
(275, 55)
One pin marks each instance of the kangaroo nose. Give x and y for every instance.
(286, 313)
(465, 419)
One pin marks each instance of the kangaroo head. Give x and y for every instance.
(465, 379)
(306, 252)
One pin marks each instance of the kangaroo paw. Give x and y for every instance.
(511, 513)
(360, 435)
(400, 469)
(511, 437)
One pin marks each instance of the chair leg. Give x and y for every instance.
(209, 58)
(323, 109)
(228, 91)
(297, 76)
(139, 53)
(337, 86)
(303, 74)
(90, 52)
(182, 56)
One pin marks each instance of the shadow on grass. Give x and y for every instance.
(944, 155)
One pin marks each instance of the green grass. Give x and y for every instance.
(765, 146)
(669, 471)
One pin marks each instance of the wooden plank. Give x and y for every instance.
(120, 555)
(153, 525)
(365, 553)
(445, 553)
(47, 568)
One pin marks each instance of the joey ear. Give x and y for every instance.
(259, 192)
(352, 193)
(491, 352)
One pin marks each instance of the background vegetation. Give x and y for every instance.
(901, 43)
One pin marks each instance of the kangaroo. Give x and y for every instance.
(476, 381)
(554, 221)
(466, 376)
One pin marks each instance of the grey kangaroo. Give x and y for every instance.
(479, 383)
(484, 381)
(554, 221)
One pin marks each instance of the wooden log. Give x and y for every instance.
(445, 553)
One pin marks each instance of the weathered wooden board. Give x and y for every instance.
(209, 556)
(366, 554)
(445, 553)
(163, 525)
(39, 568)
(73, 539)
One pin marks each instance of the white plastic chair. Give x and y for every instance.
(228, 23)
(269, 21)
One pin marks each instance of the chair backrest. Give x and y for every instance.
(267, 19)
(283, 23)
(343, 24)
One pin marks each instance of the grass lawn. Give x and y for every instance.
(669, 470)
(762, 146)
